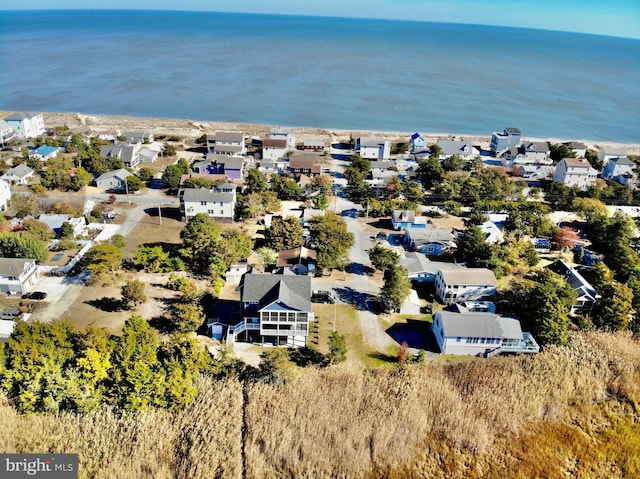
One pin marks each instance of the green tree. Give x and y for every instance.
(133, 293)
(266, 257)
(256, 181)
(117, 240)
(284, 234)
(171, 176)
(473, 247)
(152, 259)
(321, 202)
(22, 245)
(66, 230)
(430, 173)
(24, 205)
(275, 366)
(38, 230)
(383, 258)
(559, 151)
(332, 239)
(145, 174)
(103, 262)
(186, 317)
(134, 183)
(612, 311)
(396, 287)
(337, 348)
(168, 149)
(285, 188)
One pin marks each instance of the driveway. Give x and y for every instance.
(61, 291)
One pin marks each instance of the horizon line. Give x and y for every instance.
(542, 29)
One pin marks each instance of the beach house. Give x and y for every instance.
(373, 148)
(620, 169)
(421, 269)
(275, 309)
(129, 154)
(576, 172)
(418, 143)
(454, 285)
(464, 149)
(26, 124)
(18, 275)
(503, 140)
(44, 152)
(7, 135)
(18, 175)
(587, 294)
(218, 202)
(402, 219)
(113, 180)
(527, 154)
(477, 333)
(274, 149)
(227, 143)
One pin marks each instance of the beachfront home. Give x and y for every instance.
(501, 141)
(430, 241)
(275, 308)
(580, 149)
(464, 149)
(527, 154)
(26, 124)
(113, 180)
(418, 143)
(373, 148)
(18, 175)
(226, 143)
(477, 333)
(605, 154)
(149, 153)
(138, 137)
(18, 275)
(313, 146)
(620, 169)
(283, 134)
(129, 154)
(575, 172)
(274, 149)
(587, 294)
(454, 285)
(218, 202)
(7, 135)
(403, 219)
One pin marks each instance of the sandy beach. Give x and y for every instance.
(190, 130)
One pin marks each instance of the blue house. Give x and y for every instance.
(418, 143)
(44, 152)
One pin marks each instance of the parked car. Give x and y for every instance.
(37, 295)
(318, 296)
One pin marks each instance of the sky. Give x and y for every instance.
(619, 18)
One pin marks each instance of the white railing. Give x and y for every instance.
(242, 326)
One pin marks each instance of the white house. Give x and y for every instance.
(44, 152)
(26, 124)
(219, 203)
(113, 180)
(492, 233)
(227, 143)
(403, 219)
(6, 328)
(619, 169)
(55, 222)
(420, 268)
(18, 175)
(429, 240)
(275, 307)
(575, 172)
(606, 154)
(527, 154)
(129, 154)
(373, 148)
(454, 285)
(579, 148)
(138, 137)
(283, 134)
(461, 148)
(274, 149)
(5, 194)
(476, 333)
(18, 275)
(587, 294)
(501, 141)
(7, 135)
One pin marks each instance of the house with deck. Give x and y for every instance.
(576, 172)
(503, 140)
(587, 294)
(313, 146)
(18, 275)
(477, 333)
(218, 202)
(429, 240)
(580, 149)
(373, 148)
(280, 133)
(528, 153)
(138, 137)
(620, 169)
(304, 163)
(417, 143)
(232, 167)
(455, 285)
(275, 309)
(26, 124)
(227, 143)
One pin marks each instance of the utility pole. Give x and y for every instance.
(160, 214)
(126, 185)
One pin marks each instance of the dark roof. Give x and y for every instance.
(264, 289)
(236, 136)
(21, 115)
(479, 325)
(274, 143)
(512, 131)
(201, 194)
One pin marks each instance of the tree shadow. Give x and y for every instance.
(171, 212)
(416, 333)
(304, 357)
(388, 358)
(161, 324)
(358, 299)
(106, 303)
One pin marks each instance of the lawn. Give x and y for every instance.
(348, 324)
(149, 230)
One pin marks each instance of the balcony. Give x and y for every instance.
(527, 345)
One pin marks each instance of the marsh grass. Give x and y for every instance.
(566, 412)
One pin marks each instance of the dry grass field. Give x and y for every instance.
(568, 412)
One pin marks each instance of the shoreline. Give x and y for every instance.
(193, 129)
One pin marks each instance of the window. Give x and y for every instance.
(458, 339)
(203, 203)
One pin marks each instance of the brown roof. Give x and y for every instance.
(577, 162)
(269, 143)
(289, 257)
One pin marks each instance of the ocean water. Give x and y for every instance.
(322, 72)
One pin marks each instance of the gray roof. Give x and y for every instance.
(419, 263)
(622, 160)
(292, 291)
(191, 195)
(469, 276)
(383, 164)
(120, 174)
(512, 131)
(429, 234)
(235, 136)
(371, 141)
(231, 163)
(577, 162)
(542, 146)
(21, 115)
(21, 171)
(573, 277)
(124, 152)
(13, 266)
(455, 147)
(405, 216)
(479, 325)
